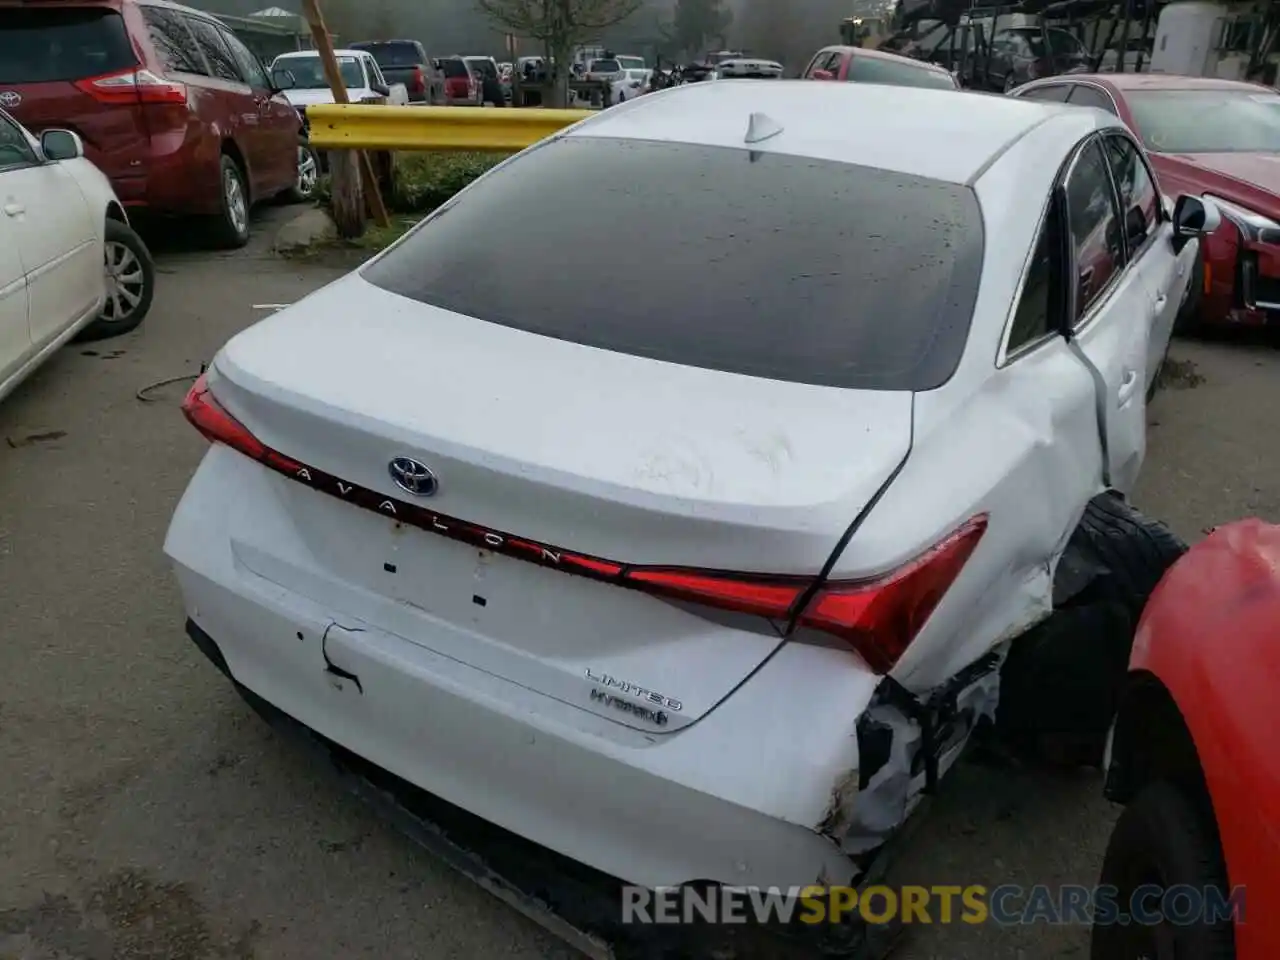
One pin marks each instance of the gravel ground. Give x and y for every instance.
(146, 813)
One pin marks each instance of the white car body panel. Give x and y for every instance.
(767, 476)
(52, 282)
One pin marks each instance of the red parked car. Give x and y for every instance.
(171, 105)
(461, 88)
(860, 65)
(1216, 138)
(1195, 757)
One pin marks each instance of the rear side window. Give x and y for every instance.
(250, 66)
(173, 42)
(221, 63)
(43, 44)
(876, 70)
(773, 266)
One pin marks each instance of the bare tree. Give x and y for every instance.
(695, 23)
(559, 25)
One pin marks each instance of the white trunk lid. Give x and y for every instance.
(591, 451)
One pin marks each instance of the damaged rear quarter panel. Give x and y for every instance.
(1023, 448)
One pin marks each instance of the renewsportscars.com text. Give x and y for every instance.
(1008, 905)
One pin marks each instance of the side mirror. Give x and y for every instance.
(61, 145)
(822, 75)
(1193, 218)
(282, 79)
(381, 89)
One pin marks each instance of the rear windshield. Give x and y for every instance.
(757, 263)
(454, 68)
(486, 68)
(393, 54)
(42, 44)
(606, 66)
(893, 73)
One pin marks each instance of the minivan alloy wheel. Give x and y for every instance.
(308, 172)
(126, 283)
(237, 205)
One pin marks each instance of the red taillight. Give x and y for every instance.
(133, 86)
(206, 415)
(419, 80)
(878, 618)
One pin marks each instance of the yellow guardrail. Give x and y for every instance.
(341, 126)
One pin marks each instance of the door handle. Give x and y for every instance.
(14, 209)
(1127, 387)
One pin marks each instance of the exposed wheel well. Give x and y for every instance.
(116, 212)
(230, 149)
(1151, 743)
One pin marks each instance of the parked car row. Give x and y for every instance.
(177, 112)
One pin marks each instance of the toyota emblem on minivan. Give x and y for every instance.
(10, 98)
(413, 477)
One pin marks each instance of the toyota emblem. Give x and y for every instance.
(414, 477)
(10, 98)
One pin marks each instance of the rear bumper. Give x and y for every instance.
(655, 810)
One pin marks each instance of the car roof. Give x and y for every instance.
(340, 52)
(937, 133)
(883, 55)
(1164, 81)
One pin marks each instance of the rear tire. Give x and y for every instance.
(131, 284)
(1163, 838)
(1130, 552)
(231, 222)
(1061, 684)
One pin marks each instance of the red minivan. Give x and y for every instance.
(171, 105)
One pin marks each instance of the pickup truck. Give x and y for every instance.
(405, 61)
(302, 79)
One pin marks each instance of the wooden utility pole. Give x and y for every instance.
(347, 168)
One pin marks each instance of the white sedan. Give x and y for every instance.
(69, 262)
(705, 569)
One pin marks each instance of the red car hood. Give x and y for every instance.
(1249, 179)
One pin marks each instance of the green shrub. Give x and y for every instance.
(426, 180)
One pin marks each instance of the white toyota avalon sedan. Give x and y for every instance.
(703, 566)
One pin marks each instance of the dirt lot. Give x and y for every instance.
(146, 813)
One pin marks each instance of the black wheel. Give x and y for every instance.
(231, 223)
(304, 187)
(1060, 686)
(131, 283)
(1166, 839)
(1128, 553)
(1188, 322)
